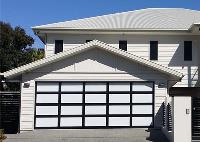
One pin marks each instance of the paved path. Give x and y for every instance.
(89, 135)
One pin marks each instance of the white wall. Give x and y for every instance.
(94, 64)
(181, 120)
(170, 51)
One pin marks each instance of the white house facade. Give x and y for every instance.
(112, 71)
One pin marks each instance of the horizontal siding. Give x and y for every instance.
(170, 48)
(27, 106)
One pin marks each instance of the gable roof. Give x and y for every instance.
(89, 45)
(149, 19)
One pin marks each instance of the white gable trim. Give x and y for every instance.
(93, 44)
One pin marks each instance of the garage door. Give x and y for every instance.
(94, 104)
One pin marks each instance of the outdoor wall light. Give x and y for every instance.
(161, 85)
(26, 85)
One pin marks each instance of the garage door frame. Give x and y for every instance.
(107, 115)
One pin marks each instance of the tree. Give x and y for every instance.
(15, 47)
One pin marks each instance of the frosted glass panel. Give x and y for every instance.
(72, 87)
(47, 98)
(119, 87)
(119, 109)
(141, 121)
(142, 98)
(46, 122)
(142, 87)
(119, 121)
(142, 109)
(71, 110)
(95, 98)
(119, 98)
(70, 121)
(71, 98)
(47, 87)
(95, 109)
(46, 110)
(95, 87)
(95, 121)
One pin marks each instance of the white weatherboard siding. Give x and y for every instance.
(94, 64)
(170, 50)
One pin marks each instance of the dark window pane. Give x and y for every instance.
(123, 45)
(88, 40)
(153, 50)
(188, 50)
(58, 46)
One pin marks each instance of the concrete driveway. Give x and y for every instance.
(89, 135)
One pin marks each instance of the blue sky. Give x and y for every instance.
(28, 13)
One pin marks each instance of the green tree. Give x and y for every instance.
(15, 47)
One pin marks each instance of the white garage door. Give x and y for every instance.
(94, 104)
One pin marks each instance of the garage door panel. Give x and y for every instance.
(119, 87)
(119, 121)
(95, 121)
(142, 87)
(119, 109)
(72, 87)
(96, 87)
(71, 110)
(95, 98)
(89, 110)
(70, 121)
(46, 122)
(141, 121)
(119, 98)
(47, 98)
(142, 109)
(71, 98)
(47, 87)
(142, 98)
(46, 110)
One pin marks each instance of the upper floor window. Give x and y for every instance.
(58, 46)
(123, 45)
(88, 40)
(187, 50)
(153, 50)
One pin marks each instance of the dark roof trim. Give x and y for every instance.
(184, 91)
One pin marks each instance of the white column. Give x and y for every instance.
(181, 109)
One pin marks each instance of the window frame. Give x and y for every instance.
(188, 51)
(153, 51)
(122, 43)
(88, 40)
(56, 46)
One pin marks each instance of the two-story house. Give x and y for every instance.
(109, 71)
